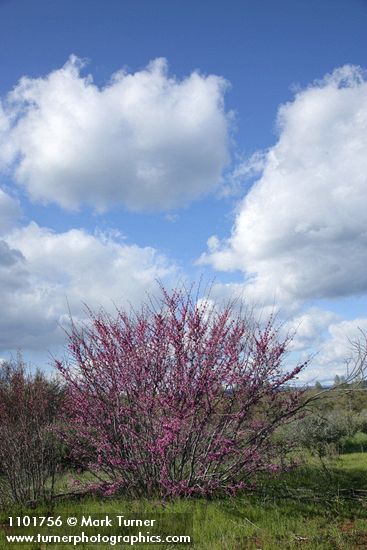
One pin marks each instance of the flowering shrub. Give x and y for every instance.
(178, 398)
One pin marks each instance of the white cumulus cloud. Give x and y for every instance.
(310, 329)
(338, 348)
(42, 272)
(9, 211)
(301, 231)
(146, 139)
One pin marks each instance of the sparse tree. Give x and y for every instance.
(29, 453)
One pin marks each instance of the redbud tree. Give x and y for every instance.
(178, 398)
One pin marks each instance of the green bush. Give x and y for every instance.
(362, 421)
(356, 443)
(324, 433)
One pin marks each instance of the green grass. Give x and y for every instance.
(309, 508)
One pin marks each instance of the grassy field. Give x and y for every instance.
(307, 508)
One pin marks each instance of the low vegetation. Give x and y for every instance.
(307, 508)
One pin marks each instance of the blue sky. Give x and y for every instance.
(237, 157)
